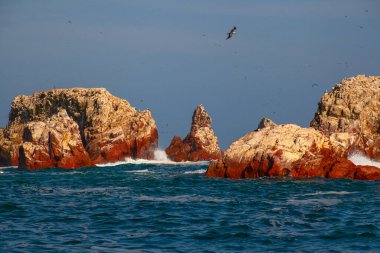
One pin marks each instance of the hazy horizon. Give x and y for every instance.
(170, 56)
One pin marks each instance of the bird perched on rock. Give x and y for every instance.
(231, 33)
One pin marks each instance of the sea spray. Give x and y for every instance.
(360, 159)
(160, 155)
(160, 158)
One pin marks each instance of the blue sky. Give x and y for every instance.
(170, 56)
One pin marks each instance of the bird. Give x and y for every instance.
(231, 33)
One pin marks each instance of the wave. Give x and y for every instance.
(328, 193)
(5, 168)
(201, 171)
(8, 167)
(182, 198)
(160, 158)
(138, 171)
(359, 159)
(325, 202)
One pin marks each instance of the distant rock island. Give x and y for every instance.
(200, 144)
(71, 128)
(347, 120)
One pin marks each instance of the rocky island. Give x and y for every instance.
(71, 128)
(347, 120)
(199, 144)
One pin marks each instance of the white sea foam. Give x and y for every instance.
(359, 159)
(160, 158)
(138, 171)
(4, 168)
(8, 167)
(201, 171)
(328, 193)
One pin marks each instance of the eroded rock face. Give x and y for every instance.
(200, 144)
(349, 115)
(76, 127)
(53, 143)
(5, 156)
(286, 150)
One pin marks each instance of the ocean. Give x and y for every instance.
(141, 206)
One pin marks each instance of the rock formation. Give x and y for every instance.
(347, 120)
(349, 115)
(286, 150)
(265, 122)
(200, 144)
(73, 128)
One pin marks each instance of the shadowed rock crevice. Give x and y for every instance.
(22, 158)
(27, 135)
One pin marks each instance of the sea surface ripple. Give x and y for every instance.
(175, 208)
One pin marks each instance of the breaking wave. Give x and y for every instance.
(359, 159)
(160, 158)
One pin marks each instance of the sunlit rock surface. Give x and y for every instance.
(349, 115)
(286, 151)
(347, 121)
(73, 128)
(200, 144)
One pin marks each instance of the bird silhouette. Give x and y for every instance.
(231, 33)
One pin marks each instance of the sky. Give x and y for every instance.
(170, 56)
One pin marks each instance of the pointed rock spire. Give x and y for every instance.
(200, 118)
(200, 144)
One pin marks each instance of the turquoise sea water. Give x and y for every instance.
(175, 208)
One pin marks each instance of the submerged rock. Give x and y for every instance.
(349, 115)
(200, 144)
(73, 128)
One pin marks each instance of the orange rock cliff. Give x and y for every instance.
(71, 128)
(347, 120)
(200, 144)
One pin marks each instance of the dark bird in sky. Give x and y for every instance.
(231, 33)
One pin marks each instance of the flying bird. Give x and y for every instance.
(231, 33)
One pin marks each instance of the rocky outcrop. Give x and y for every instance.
(349, 115)
(73, 128)
(265, 122)
(287, 150)
(200, 144)
(5, 156)
(347, 120)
